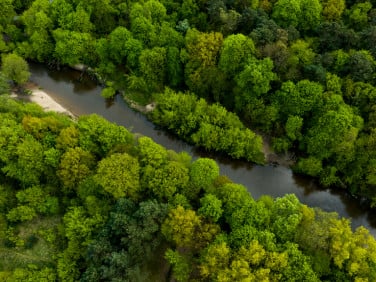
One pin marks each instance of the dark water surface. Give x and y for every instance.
(83, 97)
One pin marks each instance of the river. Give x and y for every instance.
(83, 97)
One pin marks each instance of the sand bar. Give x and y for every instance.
(41, 98)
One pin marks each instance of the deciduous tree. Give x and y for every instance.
(119, 175)
(15, 68)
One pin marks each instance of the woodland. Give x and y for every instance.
(86, 200)
(301, 72)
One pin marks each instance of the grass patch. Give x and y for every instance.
(37, 248)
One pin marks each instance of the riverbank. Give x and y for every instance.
(42, 98)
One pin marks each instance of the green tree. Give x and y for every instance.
(99, 136)
(28, 166)
(143, 29)
(286, 216)
(165, 180)
(4, 85)
(299, 266)
(203, 172)
(211, 207)
(153, 68)
(358, 15)
(75, 165)
(7, 13)
(119, 175)
(15, 68)
(333, 133)
(151, 153)
(38, 27)
(181, 267)
(235, 52)
(135, 242)
(203, 53)
(118, 49)
(73, 47)
(299, 99)
(78, 20)
(310, 14)
(301, 58)
(309, 166)
(253, 81)
(361, 66)
(60, 11)
(215, 258)
(293, 127)
(333, 9)
(68, 138)
(185, 229)
(233, 196)
(21, 213)
(101, 11)
(180, 227)
(287, 12)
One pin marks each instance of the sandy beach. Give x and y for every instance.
(42, 98)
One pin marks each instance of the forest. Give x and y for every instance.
(86, 200)
(301, 72)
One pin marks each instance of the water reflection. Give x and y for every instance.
(83, 97)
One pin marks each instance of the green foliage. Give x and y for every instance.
(236, 50)
(306, 78)
(136, 238)
(209, 126)
(287, 12)
(310, 166)
(73, 47)
(203, 172)
(151, 153)
(211, 207)
(181, 268)
(299, 99)
(286, 216)
(75, 165)
(166, 180)
(28, 165)
(15, 68)
(99, 136)
(119, 175)
(153, 68)
(253, 81)
(108, 92)
(180, 227)
(4, 85)
(21, 213)
(293, 127)
(220, 233)
(358, 15)
(333, 9)
(203, 51)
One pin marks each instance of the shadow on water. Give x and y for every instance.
(80, 95)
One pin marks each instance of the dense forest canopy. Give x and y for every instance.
(87, 200)
(299, 71)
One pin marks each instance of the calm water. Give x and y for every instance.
(84, 98)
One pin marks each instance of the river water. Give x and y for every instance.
(83, 97)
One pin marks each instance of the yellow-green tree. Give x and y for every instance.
(119, 175)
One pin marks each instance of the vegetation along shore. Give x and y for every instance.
(85, 200)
